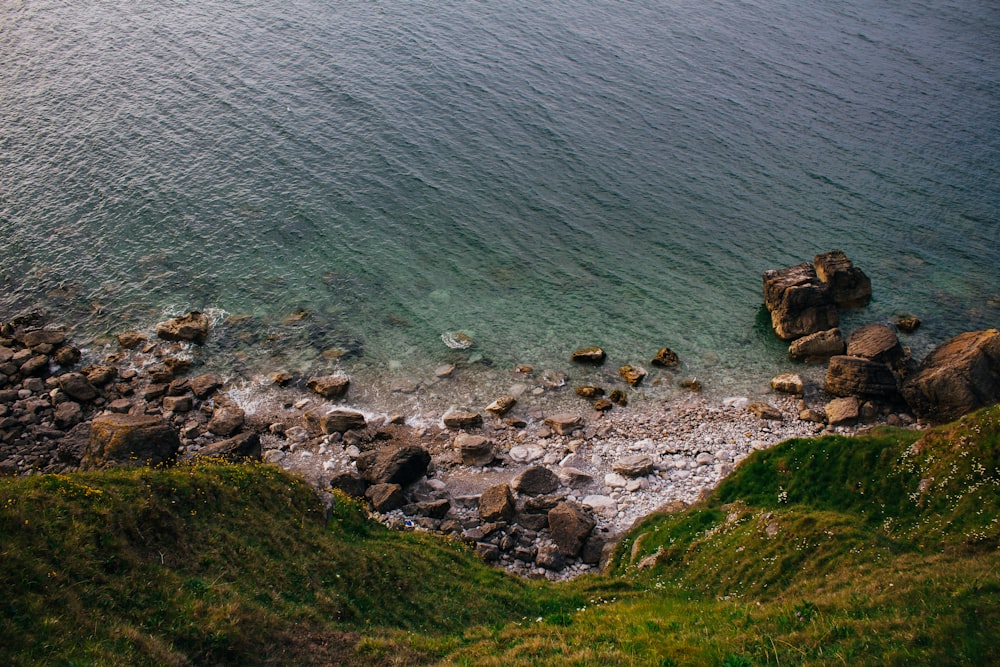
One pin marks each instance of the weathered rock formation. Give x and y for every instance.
(817, 347)
(849, 286)
(129, 441)
(961, 375)
(799, 303)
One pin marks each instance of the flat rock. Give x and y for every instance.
(632, 374)
(459, 420)
(604, 505)
(876, 342)
(564, 423)
(205, 385)
(637, 465)
(475, 450)
(132, 339)
(243, 447)
(526, 453)
(501, 406)
(857, 376)
(817, 347)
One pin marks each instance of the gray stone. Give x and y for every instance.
(349, 483)
(550, 557)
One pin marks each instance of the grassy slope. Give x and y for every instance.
(874, 550)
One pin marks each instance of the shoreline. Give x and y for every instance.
(617, 466)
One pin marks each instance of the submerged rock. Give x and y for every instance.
(589, 355)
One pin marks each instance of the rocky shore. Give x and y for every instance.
(540, 492)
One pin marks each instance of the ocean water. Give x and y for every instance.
(360, 177)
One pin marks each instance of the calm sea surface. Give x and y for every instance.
(364, 176)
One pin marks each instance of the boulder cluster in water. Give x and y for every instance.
(870, 372)
(540, 494)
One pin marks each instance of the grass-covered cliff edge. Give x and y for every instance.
(880, 550)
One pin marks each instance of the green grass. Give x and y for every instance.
(875, 550)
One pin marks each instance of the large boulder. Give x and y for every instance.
(227, 419)
(497, 503)
(961, 375)
(536, 480)
(817, 347)
(392, 465)
(843, 411)
(192, 327)
(849, 285)
(857, 376)
(130, 441)
(799, 303)
(570, 525)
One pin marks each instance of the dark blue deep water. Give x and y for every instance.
(365, 175)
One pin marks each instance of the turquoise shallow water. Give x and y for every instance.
(540, 177)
